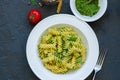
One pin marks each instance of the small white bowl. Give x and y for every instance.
(99, 14)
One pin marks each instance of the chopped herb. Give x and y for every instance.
(63, 72)
(72, 38)
(63, 42)
(56, 53)
(79, 59)
(59, 60)
(50, 41)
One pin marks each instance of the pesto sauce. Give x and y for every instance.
(87, 8)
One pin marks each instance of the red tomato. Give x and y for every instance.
(34, 16)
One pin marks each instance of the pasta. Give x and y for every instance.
(61, 49)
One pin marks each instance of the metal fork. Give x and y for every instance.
(99, 63)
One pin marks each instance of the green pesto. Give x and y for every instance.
(87, 7)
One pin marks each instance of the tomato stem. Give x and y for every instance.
(31, 17)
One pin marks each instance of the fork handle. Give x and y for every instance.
(94, 75)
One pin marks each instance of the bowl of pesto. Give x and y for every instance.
(88, 10)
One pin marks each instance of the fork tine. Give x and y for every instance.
(100, 60)
(99, 57)
(103, 56)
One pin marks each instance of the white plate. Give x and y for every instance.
(32, 54)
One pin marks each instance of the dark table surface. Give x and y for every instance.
(15, 29)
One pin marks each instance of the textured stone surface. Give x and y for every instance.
(15, 29)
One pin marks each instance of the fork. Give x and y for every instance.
(100, 60)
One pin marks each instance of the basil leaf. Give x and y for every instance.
(33, 2)
(79, 59)
(72, 38)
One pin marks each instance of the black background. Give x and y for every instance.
(15, 29)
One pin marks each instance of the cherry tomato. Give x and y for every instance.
(34, 16)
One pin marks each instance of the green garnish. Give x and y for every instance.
(33, 2)
(72, 38)
(50, 41)
(63, 72)
(79, 59)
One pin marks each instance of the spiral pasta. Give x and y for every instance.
(61, 49)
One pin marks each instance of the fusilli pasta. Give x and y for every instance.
(61, 49)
